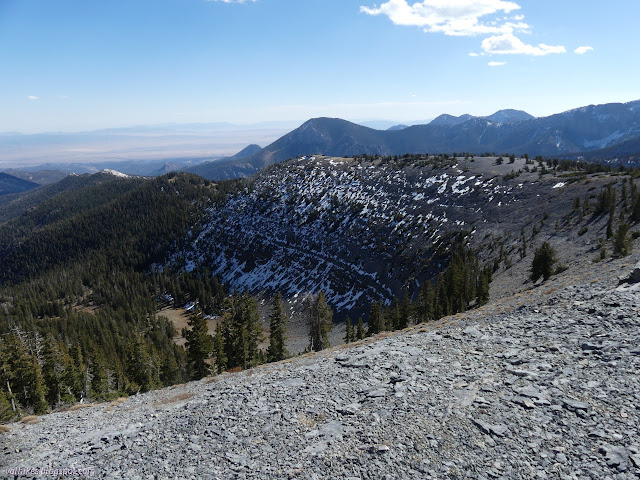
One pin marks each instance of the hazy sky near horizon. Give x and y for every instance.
(71, 65)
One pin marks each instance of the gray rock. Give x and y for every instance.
(617, 457)
(498, 430)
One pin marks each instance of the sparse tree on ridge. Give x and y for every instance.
(199, 347)
(321, 323)
(277, 331)
(348, 334)
(360, 329)
(544, 260)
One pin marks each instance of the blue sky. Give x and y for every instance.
(71, 65)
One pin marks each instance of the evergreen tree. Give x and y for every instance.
(277, 331)
(360, 329)
(543, 262)
(424, 304)
(320, 324)
(404, 311)
(170, 370)
(609, 232)
(375, 319)
(6, 410)
(484, 281)
(621, 241)
(52, 371)
(348, 334)
(99, 385)
(242, 333)
(74, 376)
(199, 347)
(219, 351)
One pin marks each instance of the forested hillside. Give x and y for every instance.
(79, 294)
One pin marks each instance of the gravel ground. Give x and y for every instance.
(543, 384)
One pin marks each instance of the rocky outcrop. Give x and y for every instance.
(545, 389)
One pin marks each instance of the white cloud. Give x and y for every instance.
(583, 50)
(32, 97)
(468, 18)
(509, 44)
(496, 64)
(451, 17)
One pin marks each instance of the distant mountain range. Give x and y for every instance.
(211, 169)
(10, 184)
(41, 177)
(588, 129)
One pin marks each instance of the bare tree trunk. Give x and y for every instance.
(13, 402)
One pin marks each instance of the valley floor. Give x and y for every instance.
(542, 384)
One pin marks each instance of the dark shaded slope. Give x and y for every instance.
(220, 168)
(10, 184)
(12, 206)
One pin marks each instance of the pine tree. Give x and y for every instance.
(320, 324)
(424, 306)
(348, 333)
(219, 350)
(52, 370)
(375, 319)
(484, 279)
(242, 333)
(543, 262)
(277, 331)
(6, 410)
(404, 311)
(199, 347)
(99, 385)
(169, 371)
(610, 223)
(360, 329)
(74, 376)
(621, 242)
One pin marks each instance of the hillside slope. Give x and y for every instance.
(215, 170)
(366, 231)
(10, 184)
(541, 386)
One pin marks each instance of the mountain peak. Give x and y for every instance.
(447, 120)
(115, 173)
(509, 115)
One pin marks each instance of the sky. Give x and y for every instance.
(70, 65)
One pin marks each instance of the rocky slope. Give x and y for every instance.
(543, 384)
(365, 231)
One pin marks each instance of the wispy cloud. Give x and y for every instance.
(459, 18)
(32, 97)
(583, 50)
(467, 18)
(496, 64)
(509, 44)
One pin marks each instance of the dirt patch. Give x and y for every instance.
(180, 319)
(175, 398)
(30, 420)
